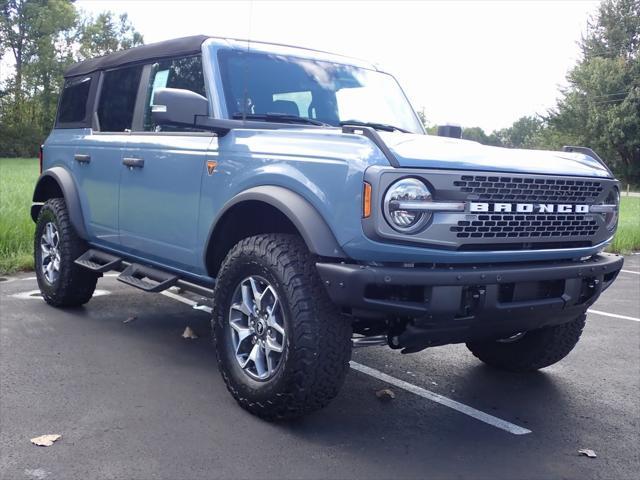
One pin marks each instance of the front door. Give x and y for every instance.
(161, 174)
(160, 197)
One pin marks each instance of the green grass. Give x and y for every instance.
(18, 177)
(628, 236)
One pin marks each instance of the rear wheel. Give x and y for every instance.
(529, 351)
(283, 349)
(56, 246)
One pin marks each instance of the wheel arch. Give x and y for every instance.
(268, 209)
(57, 182)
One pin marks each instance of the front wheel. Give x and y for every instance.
(283, 349)
(529, 351)
(56, 246)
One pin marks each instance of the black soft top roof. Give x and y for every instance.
(168, 48)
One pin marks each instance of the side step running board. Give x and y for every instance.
(98, 261)
(147, 278)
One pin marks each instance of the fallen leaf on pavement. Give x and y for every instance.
(45, 440)
(589, 453)
(385, 395)
(130, 319)
(188, 333)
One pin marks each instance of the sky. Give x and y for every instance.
(473, 63)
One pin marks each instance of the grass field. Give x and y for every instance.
(18, 176)
(628, 236)
(17, 179)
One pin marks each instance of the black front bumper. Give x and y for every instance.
(460, 303)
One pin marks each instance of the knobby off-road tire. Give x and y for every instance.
(317, 348)
(72, 285)
(534, 350)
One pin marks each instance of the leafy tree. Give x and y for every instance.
(431, 129)
(30, 29)
(601, 106)
(106, 34)
(476, 134)
(43, 37)
(524, 133)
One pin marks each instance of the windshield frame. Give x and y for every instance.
(214, 68)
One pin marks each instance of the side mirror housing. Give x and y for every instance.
(176, 106)
(451, 131)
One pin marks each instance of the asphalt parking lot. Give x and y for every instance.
(134, 400)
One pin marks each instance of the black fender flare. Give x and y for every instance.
(303, 215)
(67, 186)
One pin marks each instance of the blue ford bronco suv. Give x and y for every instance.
(299, 190)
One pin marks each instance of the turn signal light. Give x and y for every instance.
(366, 201)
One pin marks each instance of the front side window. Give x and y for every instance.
(184, 73)
(118, 99)
(73, 104)
(260, 83)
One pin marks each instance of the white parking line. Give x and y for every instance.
(447, 402)
(180, 298)
(613, 315)
(460, 407)
(630, 271)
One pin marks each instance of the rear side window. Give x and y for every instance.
(118, 99)
(185, 73)
(73, 103)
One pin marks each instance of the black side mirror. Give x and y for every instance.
(175, 106)
(451, 131)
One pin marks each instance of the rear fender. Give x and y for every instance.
(56, 182)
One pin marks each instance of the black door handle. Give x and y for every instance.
(133, 162)
(80, 158)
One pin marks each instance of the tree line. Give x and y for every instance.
(600, 107)
(39, 39)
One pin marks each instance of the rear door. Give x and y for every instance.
(160, 185)
(98, 157)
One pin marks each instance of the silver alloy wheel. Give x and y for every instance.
(257, 328)
(50, 253)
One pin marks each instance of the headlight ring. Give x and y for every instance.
(611, 218)
(406, 190)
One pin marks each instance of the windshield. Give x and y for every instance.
(260, 83)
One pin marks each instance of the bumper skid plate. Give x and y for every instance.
(453, 304)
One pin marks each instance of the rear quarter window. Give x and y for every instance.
(73, 111)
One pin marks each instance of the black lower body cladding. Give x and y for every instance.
(455, 304)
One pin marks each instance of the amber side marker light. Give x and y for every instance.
(366, 201)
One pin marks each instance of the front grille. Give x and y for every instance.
(529, 189)
(531, 226)
(535, 226)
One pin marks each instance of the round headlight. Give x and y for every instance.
(406, 190)
(611, 218)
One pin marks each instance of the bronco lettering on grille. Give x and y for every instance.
(476, 207)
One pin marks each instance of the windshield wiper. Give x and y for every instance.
(378, 126)
(278, 117)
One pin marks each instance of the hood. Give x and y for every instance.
(427, 151)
